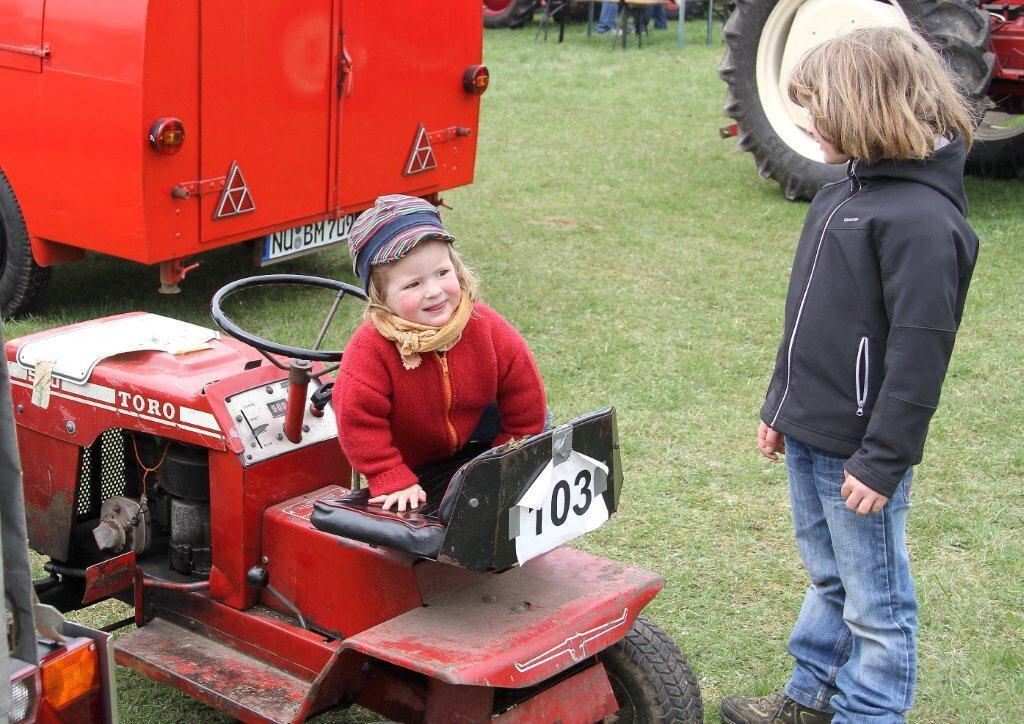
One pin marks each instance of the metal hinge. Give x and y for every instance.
(188, 189)
(43, 52)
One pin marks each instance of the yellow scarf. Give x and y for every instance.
(411, 339)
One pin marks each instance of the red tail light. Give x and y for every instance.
(167, 135)
(476, 79)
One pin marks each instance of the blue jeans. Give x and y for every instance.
(609, 14)
(659, 14)
(855, 642)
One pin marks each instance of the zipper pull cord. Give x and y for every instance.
(862, 392)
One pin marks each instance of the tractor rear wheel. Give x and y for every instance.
(998, 150)
(22, 281)
(758, 35)
(651, 679)
(508, 13)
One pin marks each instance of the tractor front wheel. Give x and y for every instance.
(508, 13)
(651, 679)
(22, 281)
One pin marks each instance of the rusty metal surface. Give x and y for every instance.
(517, 628)
(583, 698)
(449, 703)
(108, 577)
(50, 470)
(280, 642)
(221, 677)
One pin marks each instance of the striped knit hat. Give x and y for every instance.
(389, 230)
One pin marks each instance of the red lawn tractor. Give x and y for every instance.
(155, 130)
(983, 43)
(199, 477)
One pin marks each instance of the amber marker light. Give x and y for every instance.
(70, 675)
(167, 135)
(476, 79)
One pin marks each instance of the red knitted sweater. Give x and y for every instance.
(391, 419)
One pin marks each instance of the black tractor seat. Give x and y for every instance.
(419, 532)
(466, 520)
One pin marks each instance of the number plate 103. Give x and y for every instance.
(564, 502)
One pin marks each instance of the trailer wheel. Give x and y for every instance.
(508, 13)
(998, 150)
(757, 36)
(651, 679)
(22, 281)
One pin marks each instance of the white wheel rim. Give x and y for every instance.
(997, 126)
(793, 27)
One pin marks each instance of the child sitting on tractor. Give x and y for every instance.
(421, 375)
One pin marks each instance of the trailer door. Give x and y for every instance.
(402, 65)
(265, 74)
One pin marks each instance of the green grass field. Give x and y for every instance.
(646, 263)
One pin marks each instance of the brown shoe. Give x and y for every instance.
(776, 708)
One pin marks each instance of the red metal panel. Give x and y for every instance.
(81, 179)
(170, 88)
(21, 33)
(266, 72)
(520, 627)
(583, 698)
(50, 474)
(340, 585)
(239, 498)
(109, 577)
(408, 76)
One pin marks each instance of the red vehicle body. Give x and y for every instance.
(256, 611)
(291, 113)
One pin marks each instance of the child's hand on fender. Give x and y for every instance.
(413, 497)
(860, 498)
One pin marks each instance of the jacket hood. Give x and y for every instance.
(943, 172)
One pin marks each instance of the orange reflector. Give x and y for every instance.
(70, 675)
(476, 79)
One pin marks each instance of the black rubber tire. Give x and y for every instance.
(515, 14)
(651, 679)
(997, 158)
(958, 28)
(22, 281)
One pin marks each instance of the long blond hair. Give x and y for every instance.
(883, 92)
(376, 302)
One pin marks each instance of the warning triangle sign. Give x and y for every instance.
(235, 199)
(422, 157)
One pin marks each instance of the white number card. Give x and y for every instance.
(563, 503)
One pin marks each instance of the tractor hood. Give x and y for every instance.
(139, 371)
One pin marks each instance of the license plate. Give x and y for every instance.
(564, 502)
(305, 239)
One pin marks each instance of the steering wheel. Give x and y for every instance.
(314, 353)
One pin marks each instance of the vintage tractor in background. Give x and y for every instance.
(983, 44)
(200, 479)
(154, 130)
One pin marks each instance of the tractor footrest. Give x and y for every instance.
(221, 677)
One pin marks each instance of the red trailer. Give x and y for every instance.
(154, 130)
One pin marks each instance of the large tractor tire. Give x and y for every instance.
(508, 13)
(651, 679)
(758, 35)
(998, 147)
(22, 281)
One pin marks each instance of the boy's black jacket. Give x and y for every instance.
(875, 298)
